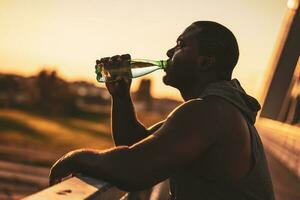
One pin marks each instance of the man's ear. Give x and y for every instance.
(206, 62)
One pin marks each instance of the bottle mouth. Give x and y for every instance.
(166, 64)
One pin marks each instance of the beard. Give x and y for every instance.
(180, 74)
(180, 79)
(171, 77)
(167, 80)
(177, 82)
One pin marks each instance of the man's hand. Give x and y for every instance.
(62, 168)
(121, 86)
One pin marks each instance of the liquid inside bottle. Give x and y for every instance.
(134, 69)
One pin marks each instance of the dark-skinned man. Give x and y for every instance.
(207, 147)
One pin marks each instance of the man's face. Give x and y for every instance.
(182, 62)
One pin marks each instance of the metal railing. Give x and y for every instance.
(79, 188)
(282, 140)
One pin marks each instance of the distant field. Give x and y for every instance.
(36, 139)
(30, 144)
(50, 133)
(24, 129)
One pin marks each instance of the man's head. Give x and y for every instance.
(206, 51)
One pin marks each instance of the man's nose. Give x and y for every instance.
(170, 52)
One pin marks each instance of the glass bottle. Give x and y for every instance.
(134, 69)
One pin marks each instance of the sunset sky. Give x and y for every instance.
(69, 35)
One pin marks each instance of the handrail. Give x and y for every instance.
(282, 140)
(79, 188)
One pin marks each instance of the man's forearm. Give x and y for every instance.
(126, 129)
(113, 166)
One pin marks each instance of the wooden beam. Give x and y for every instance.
(79, 188)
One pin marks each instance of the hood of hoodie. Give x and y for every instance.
(233, 92)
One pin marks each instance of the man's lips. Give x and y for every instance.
(168, 65)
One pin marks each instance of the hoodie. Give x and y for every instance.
(256, 185)
(233, 92)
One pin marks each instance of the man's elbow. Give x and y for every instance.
(134, 185)
(129, 174)
(133, 179)
(136, 180)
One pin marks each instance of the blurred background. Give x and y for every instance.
(50, 102)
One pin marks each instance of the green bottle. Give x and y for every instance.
(135, 68)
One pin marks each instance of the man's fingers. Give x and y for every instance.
(54, 181)
(57, 176)
(121, 57)
(59, 171)
(115, 58)
(104, 60)
(125, 57)
(53, 178)
(115, 61)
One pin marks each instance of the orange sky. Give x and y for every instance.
(70, 35)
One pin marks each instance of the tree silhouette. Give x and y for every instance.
(53, 94)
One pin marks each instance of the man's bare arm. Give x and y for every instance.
(126, 128)
(184, 137)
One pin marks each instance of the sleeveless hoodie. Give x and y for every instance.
(257, 185)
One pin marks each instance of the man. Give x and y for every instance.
(207, 147)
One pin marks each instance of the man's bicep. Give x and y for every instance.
(179, 142)
(155, 127)
(187, 133)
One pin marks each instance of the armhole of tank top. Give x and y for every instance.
(254, 148)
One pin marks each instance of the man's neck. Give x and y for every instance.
(192, 93)
(195, 90)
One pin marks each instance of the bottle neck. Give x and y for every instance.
(160, 63)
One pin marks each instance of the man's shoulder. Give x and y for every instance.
(212, 113)
(196, 115)
(208, 105)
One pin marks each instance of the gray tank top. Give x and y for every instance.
(257, 185)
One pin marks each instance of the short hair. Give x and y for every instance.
(221, 42)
